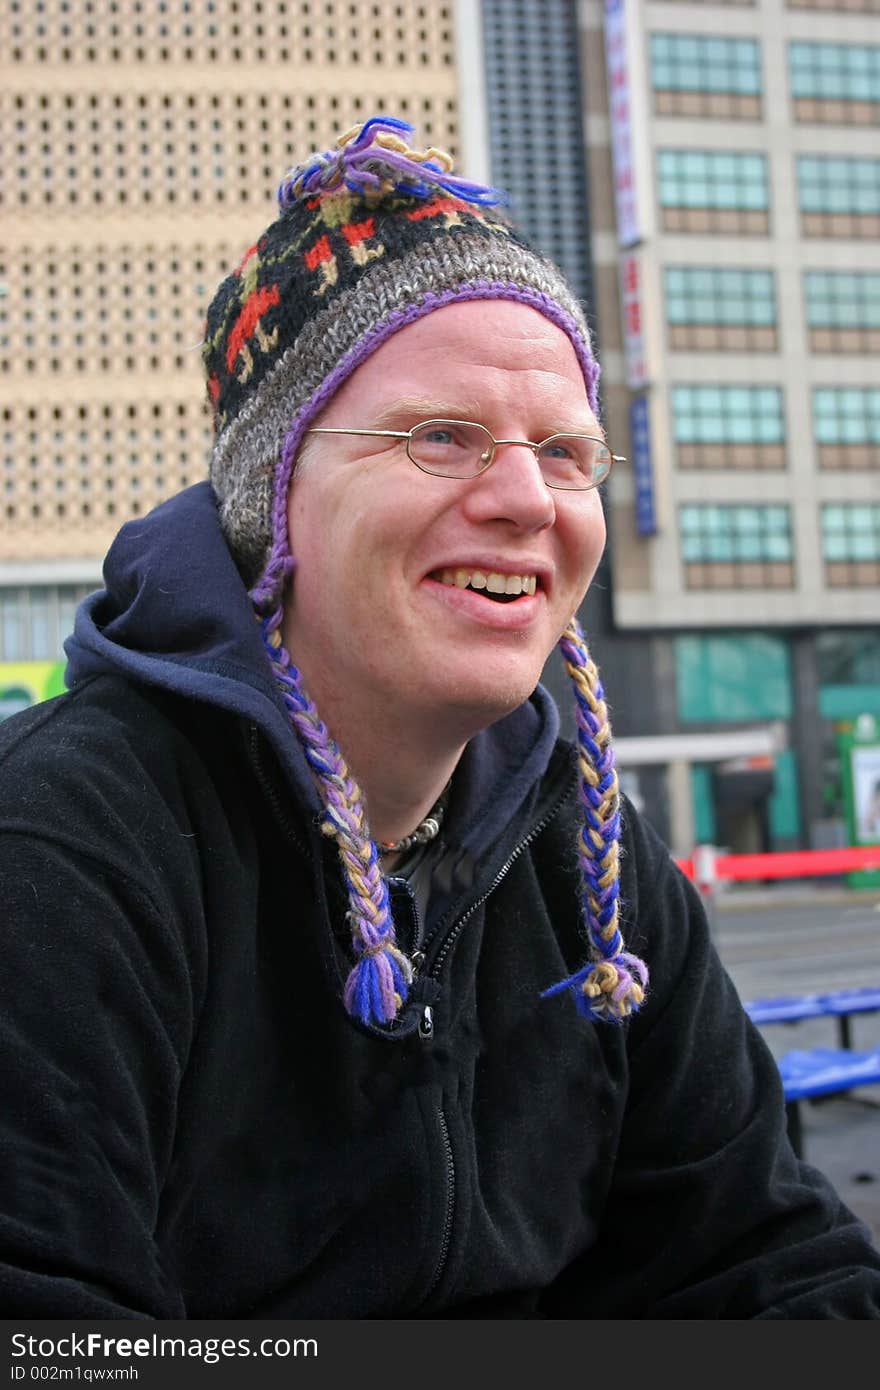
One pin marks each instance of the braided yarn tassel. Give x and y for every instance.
(374, 158)
(612, 984)
(377, 986)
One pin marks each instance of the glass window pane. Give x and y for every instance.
(864, 546)
(12, 627)
(41, 646)
(834, 546)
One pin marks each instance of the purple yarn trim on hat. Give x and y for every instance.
(268, 587)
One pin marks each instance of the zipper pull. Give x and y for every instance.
(426, 1023)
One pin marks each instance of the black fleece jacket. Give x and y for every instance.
(192, 1127)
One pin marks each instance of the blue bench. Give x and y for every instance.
(840, 1004)
(822, 1071)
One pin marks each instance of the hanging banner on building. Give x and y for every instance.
(633, 323)
(643, 467)
(629, 229)
(26, 683)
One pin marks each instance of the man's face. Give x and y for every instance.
(373, 537)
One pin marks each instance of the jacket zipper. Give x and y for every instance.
(446, 1237)
(282, 811)
(453, 935)
(426, 1031)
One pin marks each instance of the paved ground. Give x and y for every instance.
(798, 939)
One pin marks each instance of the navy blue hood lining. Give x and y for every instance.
(175, 614)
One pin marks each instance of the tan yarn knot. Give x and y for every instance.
(603, 980)
(389, 141)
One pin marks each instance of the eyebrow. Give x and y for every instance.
(419, 408)
(424, 408)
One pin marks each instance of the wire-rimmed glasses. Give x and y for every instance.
(463, 449)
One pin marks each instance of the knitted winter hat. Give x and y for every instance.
(372, 236)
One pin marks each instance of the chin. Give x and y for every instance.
(485, 701)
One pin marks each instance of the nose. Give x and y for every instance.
(512, 489)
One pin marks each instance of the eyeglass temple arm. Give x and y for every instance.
(385, 434)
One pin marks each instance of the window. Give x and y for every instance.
(851, 544)
(720, 308)
(846, 426)
(35, 622)
(41, 645)
(843, 310)
(729, 426)
(849, 656)
(694, 74)
(713, 190)
(715, 677)
(13, 637)
(695, 63)
(736, 547)
(835, 82)
(712, 179)
(839, 196)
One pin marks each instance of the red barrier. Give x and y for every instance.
(805, 863)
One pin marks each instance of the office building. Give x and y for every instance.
(741, 234)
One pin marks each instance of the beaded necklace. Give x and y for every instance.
(427, 829)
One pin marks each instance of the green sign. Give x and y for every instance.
(859, 751)
(25, 683)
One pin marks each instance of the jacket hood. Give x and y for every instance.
(174, 613)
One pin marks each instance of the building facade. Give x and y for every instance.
(143, 142)
(742, 233)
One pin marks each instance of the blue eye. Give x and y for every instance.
(557, 450)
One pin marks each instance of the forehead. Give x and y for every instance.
(472, 357)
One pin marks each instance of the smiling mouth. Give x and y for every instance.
(502, 588)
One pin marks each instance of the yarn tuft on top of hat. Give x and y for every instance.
(373, 160)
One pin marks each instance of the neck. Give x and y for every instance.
(401, 773)
(401, 761)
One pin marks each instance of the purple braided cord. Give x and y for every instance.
(601, 757)
(377, 986)
(598, 858)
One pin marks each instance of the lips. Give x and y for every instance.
(503, 588)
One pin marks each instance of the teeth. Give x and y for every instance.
(494, 582)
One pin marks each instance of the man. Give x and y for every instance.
(317, 1001)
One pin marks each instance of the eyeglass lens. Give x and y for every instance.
(458, 449)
